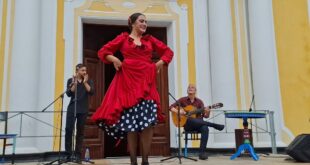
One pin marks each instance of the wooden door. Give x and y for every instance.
(100, 144)
(93, 136)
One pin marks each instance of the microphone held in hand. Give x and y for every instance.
(74, 81)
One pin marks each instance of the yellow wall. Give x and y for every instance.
(59, 69)
(2, 46)
(235, 46)
(292, 31)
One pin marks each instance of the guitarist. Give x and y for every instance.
(196, 124)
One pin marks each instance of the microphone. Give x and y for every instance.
(250, 109)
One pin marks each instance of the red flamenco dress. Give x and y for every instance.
(132, 102)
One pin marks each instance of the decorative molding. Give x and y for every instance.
(129, 5)
(125, 7)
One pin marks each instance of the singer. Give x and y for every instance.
(78, 89)
(131, 106)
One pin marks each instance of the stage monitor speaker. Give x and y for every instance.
(299, 149)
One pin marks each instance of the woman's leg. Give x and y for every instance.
(132, 138)
(146, 141)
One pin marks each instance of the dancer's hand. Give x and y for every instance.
(117, 64)
(159, 65)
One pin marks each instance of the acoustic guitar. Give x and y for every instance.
(191, 111)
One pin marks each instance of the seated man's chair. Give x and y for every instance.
(190, 135)
(5, 136)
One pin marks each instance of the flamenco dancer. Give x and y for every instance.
(131, 106)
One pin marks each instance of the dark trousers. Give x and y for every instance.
(198, 124)
(70, 123)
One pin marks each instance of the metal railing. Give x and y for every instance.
(269, 122)
(30, 114)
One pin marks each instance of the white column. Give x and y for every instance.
(25, 69)
(174, 73)
(222, 65)
(264, 63)
(202, 55)
(47, 59)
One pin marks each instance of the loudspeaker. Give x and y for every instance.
(299, 149)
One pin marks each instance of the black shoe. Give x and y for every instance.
(65, 159)
(219, 127)
(145, 163)
(135, 163)
(68, 158)
(203, 156)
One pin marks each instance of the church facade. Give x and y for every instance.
(233, 50)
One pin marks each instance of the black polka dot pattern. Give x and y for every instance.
(134, 119)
